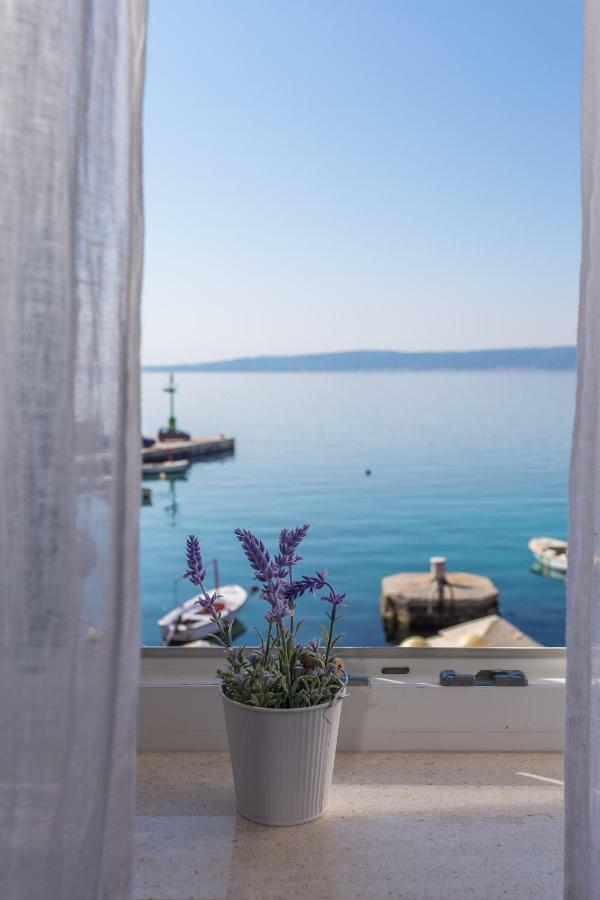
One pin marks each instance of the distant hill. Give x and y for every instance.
(546, 358)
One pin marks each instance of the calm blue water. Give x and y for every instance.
(467, 465)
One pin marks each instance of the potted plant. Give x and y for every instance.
(282, 701)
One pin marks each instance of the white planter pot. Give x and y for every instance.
(282, 760)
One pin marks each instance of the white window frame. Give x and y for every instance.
(180, 708)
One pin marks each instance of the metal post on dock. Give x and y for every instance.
(438, 576)
(171, 390)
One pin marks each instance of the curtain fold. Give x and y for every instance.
(71, 81)
(582, 727)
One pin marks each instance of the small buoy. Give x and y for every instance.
(367, 471)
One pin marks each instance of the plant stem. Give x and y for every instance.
(330, 638)
(284, 650)
(216, 618)
(225, 637)
(268, 646)
(292, 612)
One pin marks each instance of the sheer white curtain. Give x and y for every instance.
(582, 744)
(71, 77)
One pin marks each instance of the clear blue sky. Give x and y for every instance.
(342, 174)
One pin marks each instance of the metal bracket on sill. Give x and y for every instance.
(484, 678)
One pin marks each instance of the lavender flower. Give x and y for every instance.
(316, 583)
(269, 573)
(334, 598)
(312, 583)
(207, 602)
(289, 541)
(257, 555)
(279, 607)
(285, 687)
(196, 572)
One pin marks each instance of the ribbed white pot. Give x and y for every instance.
(282, 759)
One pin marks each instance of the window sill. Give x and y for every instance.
(410, 825)
(180, 708)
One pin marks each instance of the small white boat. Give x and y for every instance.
(165, 469)
(551, 553)
(189, 622)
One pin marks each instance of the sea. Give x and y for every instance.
(467, 465)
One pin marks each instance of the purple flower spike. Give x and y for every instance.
(335, 599)
(272, 573)
(257, 555)
(313, 645)
(239, 677)
(330, 668)
(279, 609)
(207, 602)
(318, 671)
(289, 541)
(196, 572)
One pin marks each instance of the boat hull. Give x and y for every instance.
(187, 623)
(550, 553)
(170, 469)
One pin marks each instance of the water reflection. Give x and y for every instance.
(172, 508)
(538, 568)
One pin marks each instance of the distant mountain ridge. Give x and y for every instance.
(545, 358)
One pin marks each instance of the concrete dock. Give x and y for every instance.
(196, 446)
(426, 602)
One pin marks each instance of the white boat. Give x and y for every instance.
(551, 553)
(489, 631)
(189, 622)
(165, 469)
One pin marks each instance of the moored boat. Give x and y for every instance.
(166, 469)
(488, 631)
(189, 622)
(167, 434)
(551, 553)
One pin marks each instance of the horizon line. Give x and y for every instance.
(356, 352)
